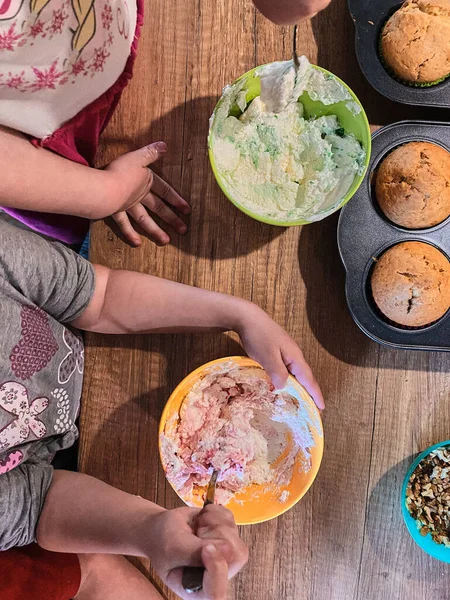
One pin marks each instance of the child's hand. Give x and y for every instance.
(141, 192)
(288, 12)
(270, 345)
(190, 537)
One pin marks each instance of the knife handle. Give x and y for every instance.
(192, 580)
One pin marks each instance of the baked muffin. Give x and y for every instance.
(415, 42)
(411, 284)
(413, 185)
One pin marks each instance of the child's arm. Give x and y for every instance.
(128, 302)
(36, 179)
(39, 180)
(287, 12)
(84, 515)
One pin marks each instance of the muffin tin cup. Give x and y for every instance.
(370, 17)
(364, 233)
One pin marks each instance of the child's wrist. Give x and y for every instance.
(105, 194)
(147, 533)
(141, 527)
(243, 312)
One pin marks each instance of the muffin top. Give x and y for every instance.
(413, 185)
(415, 42)
(411, 284)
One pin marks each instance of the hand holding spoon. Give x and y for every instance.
(192, 579)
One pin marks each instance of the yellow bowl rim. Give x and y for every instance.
(246, 361)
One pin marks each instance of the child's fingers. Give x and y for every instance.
(186, 552)
(234, 551)
(277, 370)
(144, 220)
(128, 232)
(279, 379)
(215, 579)
(213, 515)
(160, 208)
(302, 372)
(279, 367)
(162, 189)
(216, 524)
(149, 154)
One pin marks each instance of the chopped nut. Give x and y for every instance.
(427, 491)
(428, 496)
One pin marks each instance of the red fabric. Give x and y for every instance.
(31, 572)
(78, 140)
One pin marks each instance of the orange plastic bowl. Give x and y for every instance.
(257, 503)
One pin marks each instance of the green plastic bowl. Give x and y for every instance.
(356, 124)
(426, 542)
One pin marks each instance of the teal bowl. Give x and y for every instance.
(356, 124)
(426, 542)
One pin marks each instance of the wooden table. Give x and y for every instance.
(346, 539)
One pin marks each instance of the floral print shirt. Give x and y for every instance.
(43, 285)
(58, 56)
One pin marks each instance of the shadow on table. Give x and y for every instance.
(342, 61)
(217, 229)
(328, 314)
(326, 306)
(388, 538)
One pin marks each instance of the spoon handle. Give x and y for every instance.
(192, 579)
(294, 49)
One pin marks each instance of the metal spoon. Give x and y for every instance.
(192, 580)
(295, 58)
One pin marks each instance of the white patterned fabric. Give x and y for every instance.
(58, 56)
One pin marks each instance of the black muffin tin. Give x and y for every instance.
(364, 233)
(369, 17)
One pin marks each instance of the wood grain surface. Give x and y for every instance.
(346, 539)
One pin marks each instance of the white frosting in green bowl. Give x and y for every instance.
(273, 159)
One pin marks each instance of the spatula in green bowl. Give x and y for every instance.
(352, 121)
